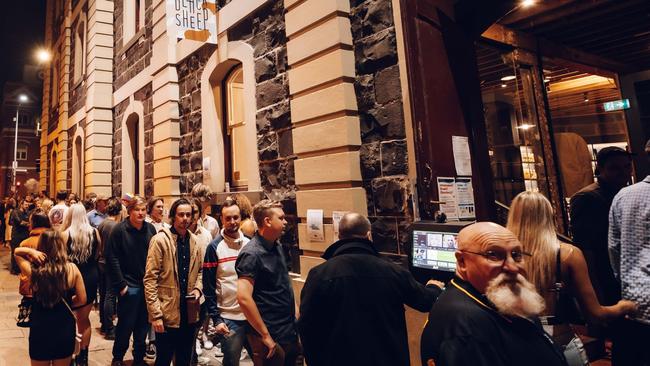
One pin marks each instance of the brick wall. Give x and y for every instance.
(384, 165)
(129, 62)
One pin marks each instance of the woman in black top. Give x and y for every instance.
(20, 229)
(82, 241)
(57, 286)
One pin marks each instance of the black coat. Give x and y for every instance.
(465, 329)
(126, 254)
(352, 308)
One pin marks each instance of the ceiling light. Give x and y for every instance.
(547, 80)
(508, 78)
(503, 85)
(527, 3)
(525, 126)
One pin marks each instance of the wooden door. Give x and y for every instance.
(446, 102)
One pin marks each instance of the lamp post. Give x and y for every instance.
(22, 98)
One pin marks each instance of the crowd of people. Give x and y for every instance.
(176, 286)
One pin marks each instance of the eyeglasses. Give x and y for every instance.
(499, 256)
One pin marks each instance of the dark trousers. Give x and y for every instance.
(176, 343)
(106, 300)
(131, 319)
(286, 353)
(14, 265)
(630, 344)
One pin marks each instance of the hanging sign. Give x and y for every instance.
(192, 19)
(616, 105)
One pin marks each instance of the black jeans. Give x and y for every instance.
(178, 342)
(630, 344)
(106, 300)
(286, 353)
(131, 319)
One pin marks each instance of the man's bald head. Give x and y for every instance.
(353, 225)
(482, 234)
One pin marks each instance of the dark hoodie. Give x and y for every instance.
(352, 307)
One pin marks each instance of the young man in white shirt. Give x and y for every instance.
(57, 212)
(220, 284)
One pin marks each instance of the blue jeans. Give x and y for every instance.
(232, 343)
(131, 319)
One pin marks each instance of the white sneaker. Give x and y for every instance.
(203, 360)
(244, 354)
(217, 351)
(199, 350)
(207, 343)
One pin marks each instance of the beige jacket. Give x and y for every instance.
(161, 287)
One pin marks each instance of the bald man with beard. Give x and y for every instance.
(488, 312)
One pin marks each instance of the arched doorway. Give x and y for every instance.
(133, 155)
(78, 166)
(53, 188)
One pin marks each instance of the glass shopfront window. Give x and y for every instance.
(511, 120)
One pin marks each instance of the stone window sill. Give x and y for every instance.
(135, 39)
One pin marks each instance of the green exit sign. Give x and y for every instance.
(616, 105)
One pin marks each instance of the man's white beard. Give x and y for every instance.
(514, 296)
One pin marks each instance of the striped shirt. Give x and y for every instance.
(629, 244)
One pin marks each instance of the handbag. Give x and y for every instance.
(567, 312)
(193, 309)
(77, 335)
(24, 313)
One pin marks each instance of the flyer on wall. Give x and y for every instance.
(315, 230)
(465, 196)
(447, 197)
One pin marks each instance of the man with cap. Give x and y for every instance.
(487, 316)
(629, 249)
(98, 214)
(590, 219)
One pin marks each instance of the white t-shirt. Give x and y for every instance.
(57, 215)
(211, 224)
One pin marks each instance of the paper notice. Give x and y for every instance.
(336, 218)
(315, 230)
(465, 196)
(462, 157)
(206, 166)
(447, 195)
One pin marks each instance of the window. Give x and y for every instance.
(21, 152)
(24, 119)
(79, 61)
(133, 18)
(54, 85)
(236, 141)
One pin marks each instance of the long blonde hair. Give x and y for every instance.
(79, 229)
(532, 220)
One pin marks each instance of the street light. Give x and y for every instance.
(43, 55)
(22, 98)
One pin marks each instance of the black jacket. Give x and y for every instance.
(352, 308)
(464, 329)
(126, 254)
(590, 225)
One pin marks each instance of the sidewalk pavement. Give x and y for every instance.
(15, 348)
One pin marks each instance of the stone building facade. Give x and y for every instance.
(300, 101)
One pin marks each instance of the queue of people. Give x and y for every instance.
(175, 282)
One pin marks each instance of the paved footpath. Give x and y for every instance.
(14, 348)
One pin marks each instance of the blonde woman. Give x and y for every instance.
(82, 241)
(532, 220)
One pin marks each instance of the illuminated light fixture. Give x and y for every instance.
(43, 55)
(525, 126)
(508, 78)
(527, 3)
(23, 98)
(547, 80)
(503, 85)
(586, 98)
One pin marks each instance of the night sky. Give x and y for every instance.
(23, 31)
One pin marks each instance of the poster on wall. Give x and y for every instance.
(315, 230)
(465, 196)
(462, 157)
(336, 219)
(447, 197)
(192, 19)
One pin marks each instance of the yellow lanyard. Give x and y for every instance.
(477, 300)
